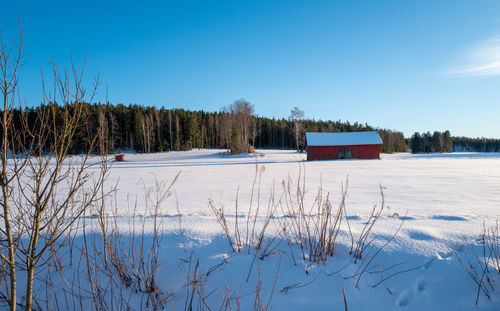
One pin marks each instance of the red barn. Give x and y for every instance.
(120, 157)
(345, 145)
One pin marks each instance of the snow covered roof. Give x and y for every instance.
(343, 138)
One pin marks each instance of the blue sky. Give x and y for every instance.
(406, 65)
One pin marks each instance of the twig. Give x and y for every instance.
(345, 299)
(403, 271)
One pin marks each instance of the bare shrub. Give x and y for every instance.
(315, 228)
(367, 261)
(221, 219)
(478, 266)
(492, 240)
(117, 264)
(139, 266)
(251, 235)
(365, 239)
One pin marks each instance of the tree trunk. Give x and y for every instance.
(6, 212)
(10, 241)
(29, 286)
(170, 129)
(30, 261)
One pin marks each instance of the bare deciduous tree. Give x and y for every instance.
(53, 189)
(242, 116)
(10, 61)
(178, 129)
(296, 116)
(44, 189)
(170, 129)
(225, 128)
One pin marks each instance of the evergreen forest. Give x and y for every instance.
(145, 129)
(134, 128)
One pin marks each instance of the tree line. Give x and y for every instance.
(235, 127)
(435, 142)
(444, 142)
(476, 144)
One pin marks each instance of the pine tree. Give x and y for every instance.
(194, 132)
(235, 140)
(448, 142)
(417, 143)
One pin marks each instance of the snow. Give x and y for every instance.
(441, 200)
(343, 138)
(442, 194)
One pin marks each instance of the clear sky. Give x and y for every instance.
(406, 65)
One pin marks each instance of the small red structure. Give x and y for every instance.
(120, 157)
(346, 145)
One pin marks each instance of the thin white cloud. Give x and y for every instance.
(483, 59)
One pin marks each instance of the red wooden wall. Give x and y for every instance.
(332, 152)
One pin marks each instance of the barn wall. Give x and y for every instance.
(332, 152)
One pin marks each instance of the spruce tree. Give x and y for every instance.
(235, 140)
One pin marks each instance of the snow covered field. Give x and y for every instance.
(441, 201)
(443, 195)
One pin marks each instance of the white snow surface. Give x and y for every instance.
(441, 195)
(442, 199)
(343, 138)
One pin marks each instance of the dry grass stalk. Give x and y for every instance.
(236, 226)
(259, 172)
(368, 260)
(196, 282)
(478, 267)
(345, 299)
(221, 219)
(364, 239)
(315, 230)
(476, 272)
(253, 237)
(492, 240)
(251, 201)
(115, 264)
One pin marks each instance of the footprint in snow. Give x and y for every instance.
(458, 247)
(404, 299)
(406, 296)
(353, 218)
(406, 218)
(449, 218)
(421, 284)
(418, 235)
(444, 255)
